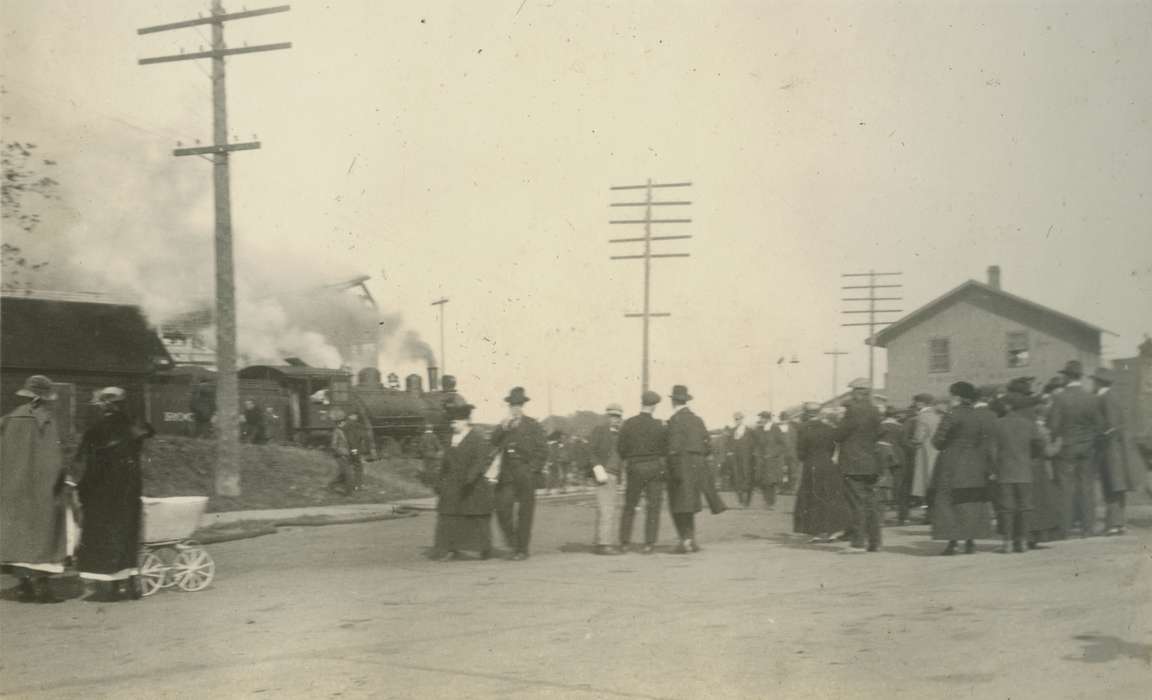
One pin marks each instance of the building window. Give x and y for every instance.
(939, 355)
(1018, 354)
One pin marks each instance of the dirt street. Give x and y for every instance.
(357, 611)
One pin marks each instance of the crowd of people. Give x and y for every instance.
(1008, 463)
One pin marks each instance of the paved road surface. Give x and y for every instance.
(356, 611)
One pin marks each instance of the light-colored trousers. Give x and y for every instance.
(607, 510)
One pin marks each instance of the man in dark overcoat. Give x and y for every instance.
(643, 444)
(770, 457)
(1117, 461)
(688, 448)
(1076, 422)
(523, 451)
(1018, 443)
(857, 435)
(739, 454)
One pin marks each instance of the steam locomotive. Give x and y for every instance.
(303, 403)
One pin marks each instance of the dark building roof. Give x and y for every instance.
(291, 372)
(47, 335)
(999, 302)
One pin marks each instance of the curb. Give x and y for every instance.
(216, 535)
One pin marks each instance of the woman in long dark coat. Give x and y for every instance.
(464, 520)
(965, 436)
(821, 505)
(110, 491)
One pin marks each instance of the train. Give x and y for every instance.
(302, 403)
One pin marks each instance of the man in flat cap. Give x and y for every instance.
(643, 444)
(523, 450)
(857, 435)
(606, 467)
(1117, 460)
(1076, 422)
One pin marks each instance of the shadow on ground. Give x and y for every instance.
(1100, 649)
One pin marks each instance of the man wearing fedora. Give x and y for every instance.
(605, 472)
(1076, 423)
(33, 491)
(688, 447)
(643, 444)
(523, 451)
(1117, 460)
(857, 436)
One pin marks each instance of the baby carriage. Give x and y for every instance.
(168, 558)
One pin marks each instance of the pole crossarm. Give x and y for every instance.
(641, 239)
(874, 311)
(654, 314)
(877, 323)
(650, 204)
(218, 148)
(651, 255)
(871, 298)
(869, 274)
(214, 54)
(874, 286)
(651, 186)
(213, 19)
(651, 221)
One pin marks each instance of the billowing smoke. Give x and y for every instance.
(144, 231)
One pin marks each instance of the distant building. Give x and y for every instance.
(1135, 385)
(82, 346)
(982, 334)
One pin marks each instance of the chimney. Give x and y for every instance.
(433, 378)
(994, 277)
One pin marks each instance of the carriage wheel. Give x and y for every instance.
(153, 573)
(193, 569)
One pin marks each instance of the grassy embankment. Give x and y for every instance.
(272, 476)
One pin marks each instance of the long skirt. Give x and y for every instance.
(821, 503)
(961, 514)
(455, 533)
(1047, 497)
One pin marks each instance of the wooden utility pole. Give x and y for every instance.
(835, 353)
(443, 353)
(872, 322)
(647, 257)
(227, 383)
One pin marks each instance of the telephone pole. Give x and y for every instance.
(648, 255)
(835, 353)
(872, 311)
(443, 353)
(227, 384)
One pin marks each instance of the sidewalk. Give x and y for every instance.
(356, 511)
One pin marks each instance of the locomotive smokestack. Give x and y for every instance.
(414, 383)
(433, 378)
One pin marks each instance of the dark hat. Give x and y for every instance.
(1073, 369)
(680, 393)
(924, 398)
(38, 387)
(516, 397)
(964, 390)
(457, 411)
(650, 398)
(766, 415)
(1104, 375)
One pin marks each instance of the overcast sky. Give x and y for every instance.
(466, 150)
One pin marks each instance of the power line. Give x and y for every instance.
(227, 382)
(647, 255)
(873, 322)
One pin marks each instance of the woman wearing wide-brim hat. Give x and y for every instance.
(961, 510)
(33, 483)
